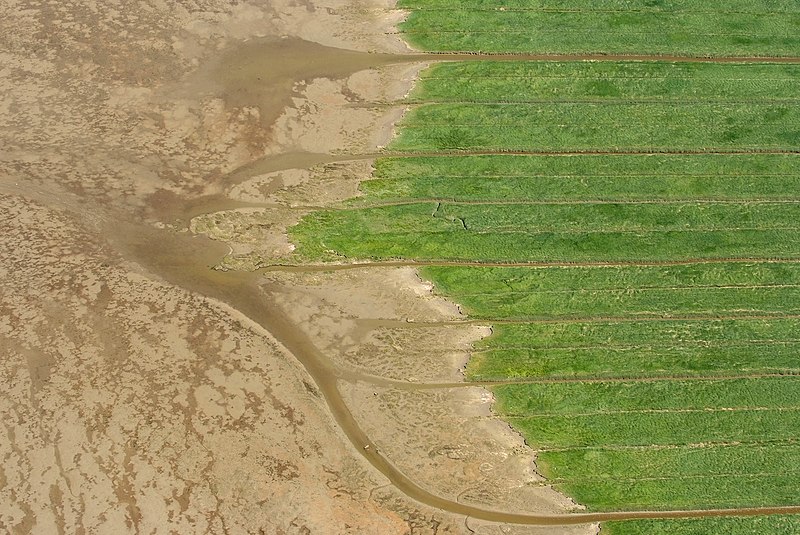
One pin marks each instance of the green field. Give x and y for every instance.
(646, 342)
(616, 127)
(584, 178)
(601, 81)
(680, 28)
(633, 349)
(555, 233)
(742, 525)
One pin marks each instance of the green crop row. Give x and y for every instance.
(502, 217)
(554, 178)
(586, 31)
(635, 302)
(712, 166)
(723, 492)
(528, 81)
(657, 428)
(586, 398)
(617, 127)
(461, 281)
(523, 233)
(601, 362)
(320, 242)
(602, 217)
(736, 525)
(584, 189)
(644, 334)
(638, 349)
(677, 462)
(672, 6)
(696, 290)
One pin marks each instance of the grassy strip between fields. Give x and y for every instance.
(685, 29)
(657, 428)
(638, 349)
(428, 231)
(613, 127)
(576, 178)
(526, 81)
(742, 525)
(647, 397)
(722, 492)
(679, 462)
(693, 6)
(719, 289)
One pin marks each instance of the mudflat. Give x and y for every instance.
(152, 381)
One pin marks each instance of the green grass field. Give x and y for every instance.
(687, 28)
(600, 81)
(584, 178)
(649, 349)
(634, 349)
(617, 127)
(555, 233)
(741, 525)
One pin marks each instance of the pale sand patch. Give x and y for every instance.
(319, 186)
(449, 442)
(253, 234)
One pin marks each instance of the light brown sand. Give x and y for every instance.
(136, 397)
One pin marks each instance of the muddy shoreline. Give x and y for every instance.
(149, 390)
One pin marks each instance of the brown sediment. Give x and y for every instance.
(133, 400)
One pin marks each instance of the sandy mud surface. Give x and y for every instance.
(144, 391)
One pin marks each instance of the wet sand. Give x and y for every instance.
(145, 391)
(137, 397)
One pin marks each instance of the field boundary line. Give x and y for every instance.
(631, 290)
(656, 11)
(574, 320)
(594, 380)
(758, 475)
(688, 445)
(415, 153)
